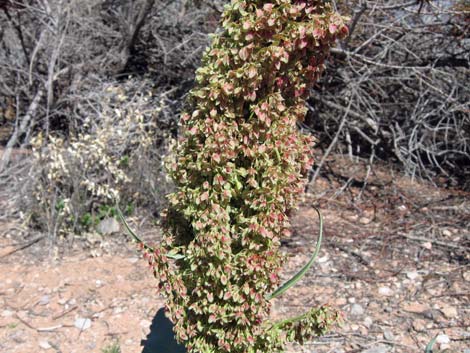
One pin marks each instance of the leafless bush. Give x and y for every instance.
(75, 72)
(54, 52)
(397, 88)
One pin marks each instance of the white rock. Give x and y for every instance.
(44, 345)
(449, 312)
(466, 277)
(118, 310)
(7, 313)
(443, 339)
(388, 335)
(368, 322)
(386, 291)
(108, 226)
(82, 323)
(427, 245)
(446, 233)
(357, 310)
(44, 300)
(412, 275)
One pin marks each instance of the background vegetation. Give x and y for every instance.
(95, 88)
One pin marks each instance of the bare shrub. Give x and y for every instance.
(52, 53)
(397, 88)
(65, 69)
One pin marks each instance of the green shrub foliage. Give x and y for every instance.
(239, 168)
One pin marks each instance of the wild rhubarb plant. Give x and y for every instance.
(239, 168)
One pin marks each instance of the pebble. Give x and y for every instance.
(446, 233)
(419, 325)
(431, 314)
(466, 277)
(415, 307)
(7, 313)
(449, 312)
(368, 322)
(427, 245)
(62, 301)
(93, 238)
(357, 310)
(44, 345)
(44, 300)
(412, 275)
(378, 349)
(82, 323)
(118, 310)
(108, 226)
(443, 339)
(388, 335)
(385, 291)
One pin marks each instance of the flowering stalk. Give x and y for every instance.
(239, 168)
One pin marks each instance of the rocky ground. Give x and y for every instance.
(396, 261)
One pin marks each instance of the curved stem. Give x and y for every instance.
(304, 270)
(140, 241)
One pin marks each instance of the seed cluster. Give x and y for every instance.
(239, 168)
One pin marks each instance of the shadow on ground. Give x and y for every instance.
(161, 338)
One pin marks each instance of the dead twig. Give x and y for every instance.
(65, 312)
(24, 246)
(433, 241)
(354, 253)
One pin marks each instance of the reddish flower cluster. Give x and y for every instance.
(239, 169)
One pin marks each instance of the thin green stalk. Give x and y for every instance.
(304, 270)
(140, 241)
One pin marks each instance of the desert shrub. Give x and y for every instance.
(239, 167)
(57, 55)
(397, 90)
(77, 180)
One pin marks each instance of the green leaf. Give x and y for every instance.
(428, 348)
(298, 276)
